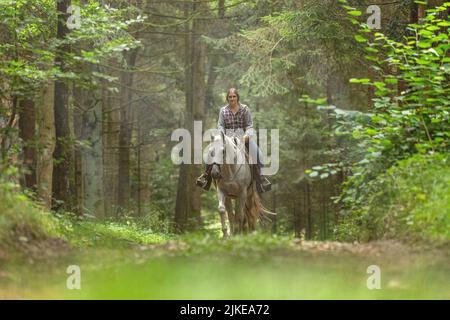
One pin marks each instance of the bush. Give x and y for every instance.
(410, 201)
(397, 184)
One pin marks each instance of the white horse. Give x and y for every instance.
(232, 176)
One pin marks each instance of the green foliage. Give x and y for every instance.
(29, 43)
(110, 233)
(416, 119)
(346, 151)
(103, 33)
(410, 201)
(22, 221)
(299, 46)
(164, 177)
(411, 116)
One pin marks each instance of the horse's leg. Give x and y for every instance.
(239, 217)
(223, 213)
(250, 219)
(230, 213)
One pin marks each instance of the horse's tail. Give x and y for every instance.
(254, 210)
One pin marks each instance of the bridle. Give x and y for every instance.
(224, 157)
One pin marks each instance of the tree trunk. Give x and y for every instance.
(198, 70)
(138, 173)
(78, 171)
(123, 189)
(417, 12)
(111, 129)
(213, 62)
(46, 144)
(274, 206)
(329, 89)
(184, 189)
(195, 93)
(146, 157)
(183, 200)
(297, 223)
(309, 228)
(27, 127)
(92, 159)
(7, 138)
(63, 152)
(221, 11)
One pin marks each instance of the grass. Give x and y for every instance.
(21, 220)
(232, 278)
(253, 267)
(255, 245)
(128, 259)
(108, 233)
(24, 224)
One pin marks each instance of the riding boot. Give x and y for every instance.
(204, 181)
(262, 183)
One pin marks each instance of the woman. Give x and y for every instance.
(232, 117)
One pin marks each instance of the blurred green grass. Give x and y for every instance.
(253, 267)
(128, 260)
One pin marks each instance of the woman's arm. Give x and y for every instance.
(248, 124)
(221, 122)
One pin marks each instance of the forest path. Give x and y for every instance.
(250, 267)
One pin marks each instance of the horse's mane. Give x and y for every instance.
(231, 141)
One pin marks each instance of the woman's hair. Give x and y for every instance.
(235, 91)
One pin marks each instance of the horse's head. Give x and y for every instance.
(224, 150)
(216, 154)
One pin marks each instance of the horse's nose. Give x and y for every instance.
(215, 173)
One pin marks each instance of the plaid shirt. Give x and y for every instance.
(241, 120)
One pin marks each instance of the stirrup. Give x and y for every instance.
(203, 182)
(264, 185)
(200, 180)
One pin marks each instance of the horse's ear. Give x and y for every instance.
(223, 136)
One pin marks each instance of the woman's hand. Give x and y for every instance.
(246, 137)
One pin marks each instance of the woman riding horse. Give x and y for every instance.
(232, 117)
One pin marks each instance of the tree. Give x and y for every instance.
(63, 148)
(125, 130)
(46, 143)
(188, 206)
(27, 123)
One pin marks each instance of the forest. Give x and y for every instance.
(91, 93)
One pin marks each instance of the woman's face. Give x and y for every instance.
(232, 98)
